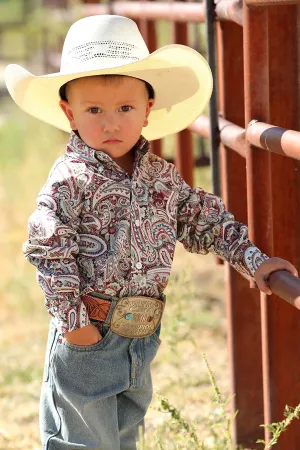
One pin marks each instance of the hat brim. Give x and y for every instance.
(180, 76)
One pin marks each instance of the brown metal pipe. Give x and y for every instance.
(231, 135)
(271, 2)
(201, 126)
(177, 11)
(274, 139)
(286, 286)
(230, 10)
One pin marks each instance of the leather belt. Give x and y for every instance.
(133, 317)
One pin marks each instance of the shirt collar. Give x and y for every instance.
(78, 148)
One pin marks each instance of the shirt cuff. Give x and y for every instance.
(253, 258)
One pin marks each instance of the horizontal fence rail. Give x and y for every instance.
(286, 286)
(271, 2)
(176, 11)
(265, 136)
(230, 10)
(274, 139)
(231, 135)
(179, 11)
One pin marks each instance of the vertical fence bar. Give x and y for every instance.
(213, 104)
(156, 146)
(256, 68)
(143, 27)
(281, 321)
(243, 304)
(184, 158)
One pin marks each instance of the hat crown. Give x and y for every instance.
(102, 42)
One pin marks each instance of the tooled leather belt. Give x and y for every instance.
(133, 317)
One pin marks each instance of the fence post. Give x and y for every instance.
(242, 303)
(281, 322)
(184, 158)
(258, 163)
(156, 146)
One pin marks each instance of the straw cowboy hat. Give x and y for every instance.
(109, 44)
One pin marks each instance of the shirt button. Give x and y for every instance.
(138, 265)
(137, 222)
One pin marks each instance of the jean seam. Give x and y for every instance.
(50, 357)
(59, 418)
(157, 339)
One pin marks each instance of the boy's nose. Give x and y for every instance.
(110, 125)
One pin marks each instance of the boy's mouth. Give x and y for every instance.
(112, 141)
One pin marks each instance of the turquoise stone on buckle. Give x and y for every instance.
(128, 316)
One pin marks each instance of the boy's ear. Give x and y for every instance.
(65, 106)
(151, 102)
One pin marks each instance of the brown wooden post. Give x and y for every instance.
(281, 322)
(143, 27)
(156, 146)
(243, 303)
(272, 80)
(258, 162)
(148, 31)
(184, 158)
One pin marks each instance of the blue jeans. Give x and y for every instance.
(96, 396)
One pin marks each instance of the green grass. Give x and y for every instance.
(11, 10)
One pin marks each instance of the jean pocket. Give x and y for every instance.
(89, 348)
(50, 348)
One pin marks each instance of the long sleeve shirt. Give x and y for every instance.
(97, 229)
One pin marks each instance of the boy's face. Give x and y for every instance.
(109, 113)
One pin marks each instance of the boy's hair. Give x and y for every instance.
(63, 88)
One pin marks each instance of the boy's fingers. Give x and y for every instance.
(262, 285)
(269, 266)
(290, 268)
(285, 265)
(274, 264)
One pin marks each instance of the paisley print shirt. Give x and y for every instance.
(97, 229)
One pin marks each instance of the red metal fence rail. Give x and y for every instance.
(258, 47)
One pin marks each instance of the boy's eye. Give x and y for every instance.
(125, 108)
(94, 110)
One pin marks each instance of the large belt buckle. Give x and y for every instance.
(136, 317)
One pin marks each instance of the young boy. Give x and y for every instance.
(104, 233)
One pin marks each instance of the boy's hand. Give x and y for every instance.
(267, 267)
(87, 335)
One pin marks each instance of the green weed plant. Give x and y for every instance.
(219, 422)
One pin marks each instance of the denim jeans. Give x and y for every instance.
(96, 396)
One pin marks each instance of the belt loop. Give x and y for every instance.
(162, 297)
(107, 321)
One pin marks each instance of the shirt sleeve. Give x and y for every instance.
(53, 246)
(204, 225)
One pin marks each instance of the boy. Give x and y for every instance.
(104, 233)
